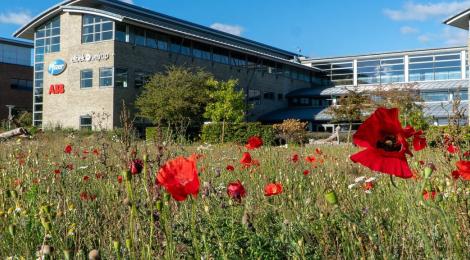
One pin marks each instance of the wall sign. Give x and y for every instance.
(90, 57)
(56, 67)
(56, 89)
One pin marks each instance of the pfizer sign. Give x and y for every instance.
(57, 67)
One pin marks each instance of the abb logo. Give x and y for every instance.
(56, 89)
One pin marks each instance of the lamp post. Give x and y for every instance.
(10, 116)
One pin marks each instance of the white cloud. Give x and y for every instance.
(408, 30)
(232, 29)
(128, 1)
(421, 12)
(18, 18)
(448, 36)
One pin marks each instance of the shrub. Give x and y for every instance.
(435, 134)
(291, 130)
(237, 133)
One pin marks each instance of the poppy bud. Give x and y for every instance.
(116, 246)
(127, 175)
(330, 197)
(427, 172)
(67, 255)
(12, 230)
(128, 244)
(416, 164)
(159, 205)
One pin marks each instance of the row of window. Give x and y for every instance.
(441, 66)
(117, 77)
(21, 84)
(310, 102)
(166, 42)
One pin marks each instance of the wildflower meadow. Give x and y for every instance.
(391, 195)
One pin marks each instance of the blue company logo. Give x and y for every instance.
(56, 67)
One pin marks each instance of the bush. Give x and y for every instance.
(291, 130)
(238, 133)
(435, 134)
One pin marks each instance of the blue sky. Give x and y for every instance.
(317, 28)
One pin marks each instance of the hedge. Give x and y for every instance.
(237, 133)
(435, 134)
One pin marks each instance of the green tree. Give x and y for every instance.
(350, 108)
(226, 105)
(177, 96)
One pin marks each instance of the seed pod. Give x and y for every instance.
(330, 197)
(116, 246)
(427, 172)
(12, 230)
(128, 244)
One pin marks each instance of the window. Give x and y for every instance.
(254, 95)
(96, 29)
(269, 95)
(106, 77)
(220, 55)
(141, 78)
(441, 66)
(435, 96)
(85, 123)
(201, 51)
(304, 101)
(121, 78)
(340, 73)
(86, 78)
(121, 33)
(280, 96)
(137, 36)
(21, 84)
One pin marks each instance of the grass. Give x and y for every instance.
(137, 220)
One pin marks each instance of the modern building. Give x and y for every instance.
(16, 77)
(89, 55)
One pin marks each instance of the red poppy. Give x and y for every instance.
(272, 189)
(429, 195)
(419, 142)
(69, 167)
(254, 142)
(99, 175)
(86, 178)
(295, 158)
(136, 166)
(68, 149)
(310, 159)
(455, 175)
(318, 151)
(464, 169)
(236, 191)
(119, 179)
(179, 177)
(86, 151)
(306, 172)
(57, 171)
(230, 168)
(385, 143)
(368, 185)
(452, 149)
(247, 161)
(466, 154)
(96, 152)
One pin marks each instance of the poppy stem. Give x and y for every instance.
(392, 181)
(197, 254)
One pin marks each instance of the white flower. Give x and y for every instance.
(83, 167)
(371, 179)
(351, 186)
(360, 179)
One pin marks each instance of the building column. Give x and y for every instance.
(468, 80)
(406, 68)
(463, 63)
(354, 72)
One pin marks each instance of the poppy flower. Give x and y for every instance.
(385, 143)
(179, 177)
(247, 161)
(272, 189)
(452, 149)
(306, 172)
(295, 158)
(69, 167)
(254, 142)
(419, 142)
(136, 166)
(368, 185)
(455, 175)
(119, 179)
(464, 169)
(96, 152)
(310, 159)
(429, 195)
(86, 178)
(230, 168)
(236, 191)
(86, 151)
(57, 171)
(318, 151)
(68, 149)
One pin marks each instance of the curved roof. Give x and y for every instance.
(459, 20)
(140, 14)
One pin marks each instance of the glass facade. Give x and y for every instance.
(435, 67)
(382, 71)
(15, 54)
(46, 40)
(341, 73)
